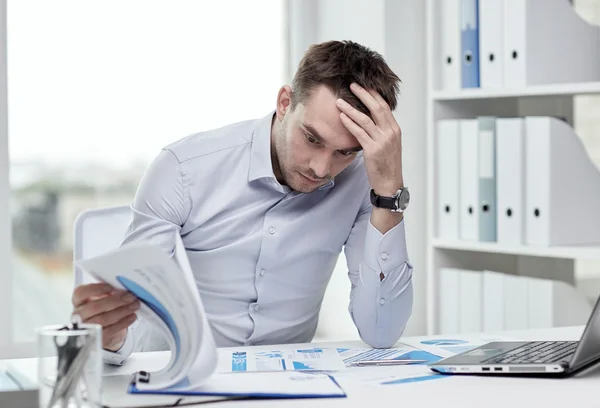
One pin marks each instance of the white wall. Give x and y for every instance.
(395, 28)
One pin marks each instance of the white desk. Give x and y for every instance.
(457, 391)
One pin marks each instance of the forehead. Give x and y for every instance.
(321, 112)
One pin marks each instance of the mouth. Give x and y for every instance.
(310, 180)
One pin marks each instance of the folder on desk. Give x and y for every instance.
(450, 57)
(469, 28)
(491, 35)
(469, 180)
(510, 180)
(448, 186)
(268, 385)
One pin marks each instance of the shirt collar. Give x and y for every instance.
(260, 161)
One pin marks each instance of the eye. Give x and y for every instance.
(347, 154)
(311, 139)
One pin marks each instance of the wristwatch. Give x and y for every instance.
(396, 203)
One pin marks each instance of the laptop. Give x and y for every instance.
(540, 358)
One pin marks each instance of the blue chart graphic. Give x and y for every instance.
(238, 361)
(444, 342)
(414, 379)
(270, 354)
(419, 355)
(458, 349)
(298, 365)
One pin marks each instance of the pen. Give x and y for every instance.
(385, 362)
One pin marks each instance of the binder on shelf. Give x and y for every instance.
(491, 51)
(555, 304)
(447, 178)
(469, 32)
(510, 180)
(470, 301)
(547, 42)
(449, 294)
(469, 180)
(450, 57)
(493, 298)
(516, 306)
(562, 186)
(487, 179)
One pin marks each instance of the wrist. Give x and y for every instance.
(389, 190)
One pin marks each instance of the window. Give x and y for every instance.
(95, 90)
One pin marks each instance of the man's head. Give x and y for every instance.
(310, 145)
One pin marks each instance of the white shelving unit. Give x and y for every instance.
(551, 100)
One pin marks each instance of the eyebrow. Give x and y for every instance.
(313, 132)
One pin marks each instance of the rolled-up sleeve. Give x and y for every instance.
(380, 308)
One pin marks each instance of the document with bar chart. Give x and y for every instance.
(309, 359)
(450, 346)
(353, 355)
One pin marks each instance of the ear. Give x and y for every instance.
(284, 102)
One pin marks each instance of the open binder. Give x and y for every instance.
(170, 301)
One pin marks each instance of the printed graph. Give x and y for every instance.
(444, 342)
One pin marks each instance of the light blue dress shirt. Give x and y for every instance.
(261, 254)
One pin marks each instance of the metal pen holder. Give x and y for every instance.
(70, 365)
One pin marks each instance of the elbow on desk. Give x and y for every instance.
(382, 341)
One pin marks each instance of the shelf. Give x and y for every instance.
(582, 88)
(563, 252)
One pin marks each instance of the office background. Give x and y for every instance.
(95, 89)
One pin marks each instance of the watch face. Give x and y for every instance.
(403, 199)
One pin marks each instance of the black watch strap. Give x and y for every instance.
(383, 202)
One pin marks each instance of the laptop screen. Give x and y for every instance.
(588, 348)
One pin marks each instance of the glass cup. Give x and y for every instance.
(70, 366)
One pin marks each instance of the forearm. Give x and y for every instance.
(380, 307)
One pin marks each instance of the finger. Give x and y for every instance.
(111, 333)
(103, 305)
(358, 118)
(359, 133)
(376, 109)
(386, 108)
(109, 318)
(83, 292)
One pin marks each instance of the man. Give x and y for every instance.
(264, 208)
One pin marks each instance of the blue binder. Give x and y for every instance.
(469, 37)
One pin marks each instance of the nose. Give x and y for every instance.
(321, 165)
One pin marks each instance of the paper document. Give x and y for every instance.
(404, 352)
(386, 376)
(264, 385)
(450, 346)
(169, 300)
(248, 360)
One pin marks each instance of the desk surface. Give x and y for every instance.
(450, 391)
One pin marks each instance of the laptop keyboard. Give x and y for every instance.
(537, 352)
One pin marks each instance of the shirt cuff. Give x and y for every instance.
(117, 357)
(385, 252)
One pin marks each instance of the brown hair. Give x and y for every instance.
(336, 64)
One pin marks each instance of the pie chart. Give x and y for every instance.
(444, 342)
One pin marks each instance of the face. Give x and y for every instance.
(310, 143)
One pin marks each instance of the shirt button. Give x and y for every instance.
(256, 307)
(262, 272)
(271, 230)
(381, 301)
(384, 256)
